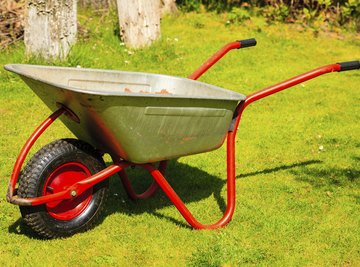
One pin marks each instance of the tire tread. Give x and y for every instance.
(29, 184)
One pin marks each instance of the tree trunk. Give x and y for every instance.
(50, 27)
(168, 7)
(139, 22)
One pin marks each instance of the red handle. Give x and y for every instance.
(291, 82)
(219, 54)
(279, 87)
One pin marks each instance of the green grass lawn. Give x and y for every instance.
(298, 155)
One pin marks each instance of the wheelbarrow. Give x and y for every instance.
(139, 119)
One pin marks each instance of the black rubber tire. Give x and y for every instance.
(34, 176)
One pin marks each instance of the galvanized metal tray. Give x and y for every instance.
(139, 117)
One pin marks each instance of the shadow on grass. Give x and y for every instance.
(280, 168)
(339, 177)
(20, 228)
(190, 183)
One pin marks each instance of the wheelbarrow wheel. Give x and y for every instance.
(53, 168)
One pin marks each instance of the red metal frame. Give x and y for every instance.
(231, 192)
(25, 150)
(179, 204)
(158, 173)
(215, 58)
(149, 192)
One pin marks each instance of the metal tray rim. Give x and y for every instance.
(231, 94)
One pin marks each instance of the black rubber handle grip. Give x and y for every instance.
(349, 65)
(247, 43)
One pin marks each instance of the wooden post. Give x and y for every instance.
(139, 22)
(168, 7)
(50, 27)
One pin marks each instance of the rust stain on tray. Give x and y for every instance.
(161, 92)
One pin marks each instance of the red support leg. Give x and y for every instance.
(179, 204)
(148, 193)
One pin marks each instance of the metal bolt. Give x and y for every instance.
(73, 193)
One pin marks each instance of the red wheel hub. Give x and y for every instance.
(59, 180)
